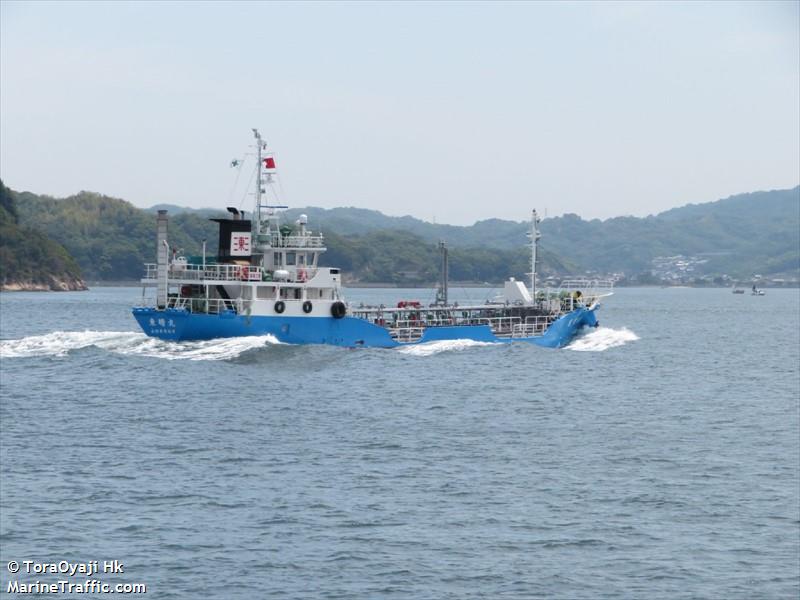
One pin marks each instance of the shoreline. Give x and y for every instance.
(54, 285)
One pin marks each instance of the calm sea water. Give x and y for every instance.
(657, 457)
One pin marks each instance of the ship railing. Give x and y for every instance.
(589, 288)
(503, 326)
(550, 303)
(427, 319)
(532, 326)
(496, 324)
(407, 334)
(411, 329)
(151, 271)
(408, 324)
(435, 321)
(212, 306)
(190, 272)
(297, 241)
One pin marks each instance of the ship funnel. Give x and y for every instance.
(162, 258)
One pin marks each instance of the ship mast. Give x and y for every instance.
(257, 211)
(265, 169)
(534, 235)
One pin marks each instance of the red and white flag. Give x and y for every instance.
(269, 163)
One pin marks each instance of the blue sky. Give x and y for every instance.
(450, 111)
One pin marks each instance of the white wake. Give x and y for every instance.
(60, 343)
(430, 348)
(601, 339)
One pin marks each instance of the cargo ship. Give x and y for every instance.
(266, 278)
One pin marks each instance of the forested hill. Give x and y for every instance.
(744, 234)
(750, 233)
(111, 240)
(738, 236)
(29, 260)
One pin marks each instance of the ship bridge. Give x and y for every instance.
(293, 250)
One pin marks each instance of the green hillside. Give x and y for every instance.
(111, 239)
(403, 257)
(737, 236)
(28, 258)
(740, 235)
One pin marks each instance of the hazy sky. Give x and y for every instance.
(447, 110)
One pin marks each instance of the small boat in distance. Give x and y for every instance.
(738, 290)
(266, 278)
(757, 292)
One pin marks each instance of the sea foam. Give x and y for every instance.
(602, 338)
(61, 343)
(430, 348)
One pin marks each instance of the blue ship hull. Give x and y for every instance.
(181, 325)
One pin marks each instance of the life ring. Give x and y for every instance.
(338, 310)
(280, 306)
(307, 306)
(301, 276)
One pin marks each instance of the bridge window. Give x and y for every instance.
(291, 258)
(277, 258)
